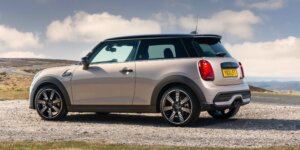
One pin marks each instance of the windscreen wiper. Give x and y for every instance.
(221, 54)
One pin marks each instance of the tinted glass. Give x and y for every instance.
(121, 51)
(210, 48)
(161, 49)
(157, 51)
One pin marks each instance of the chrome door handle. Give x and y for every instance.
(126, 70)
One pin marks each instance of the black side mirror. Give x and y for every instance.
(85, 63)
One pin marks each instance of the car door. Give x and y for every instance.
(110, 78)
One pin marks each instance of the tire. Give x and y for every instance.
(179, 109)
(50, 103)
(224, 113)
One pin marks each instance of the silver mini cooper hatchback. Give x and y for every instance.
(176, 75)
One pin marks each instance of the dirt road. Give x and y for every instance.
(255, 125)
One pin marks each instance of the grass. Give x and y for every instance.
(277, 93)
(14, 87)
(73, 145)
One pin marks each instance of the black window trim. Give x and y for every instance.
(185, 49)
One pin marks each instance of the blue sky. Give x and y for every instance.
(263, 34)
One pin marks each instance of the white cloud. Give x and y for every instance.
(166, 19)
(11, 38)
(235, 23)
(20, 54)
(279, 58)
(269, 4)
(262, 4)
(95, 27)
(85, 27)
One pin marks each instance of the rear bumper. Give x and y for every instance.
(227, 99)
(224, 100)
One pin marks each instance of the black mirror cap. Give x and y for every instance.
(85, 63)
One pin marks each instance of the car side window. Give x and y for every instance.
(158, 51)
(115, 51)
(161, 49)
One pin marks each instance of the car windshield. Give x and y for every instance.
(210, 48)
(115, 51)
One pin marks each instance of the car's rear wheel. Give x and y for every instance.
(50, 104)
(179, 106)
(224, 113)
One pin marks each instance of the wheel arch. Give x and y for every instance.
(48, 81)
(170, 81)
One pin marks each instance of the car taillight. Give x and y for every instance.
(242, 69)
(206, 70)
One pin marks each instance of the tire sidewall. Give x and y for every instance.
(63, 111)
(195, 106)
(228, 115)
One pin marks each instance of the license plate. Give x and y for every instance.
(229, 73)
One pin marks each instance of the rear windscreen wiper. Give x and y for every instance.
(221, 54)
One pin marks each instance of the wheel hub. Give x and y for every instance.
(49, 104)
(177, 106)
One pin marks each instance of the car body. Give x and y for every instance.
(146, 74)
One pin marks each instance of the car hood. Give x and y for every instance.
(56, 72)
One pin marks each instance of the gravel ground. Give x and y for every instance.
(256, 125)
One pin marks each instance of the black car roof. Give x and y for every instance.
(153, 36)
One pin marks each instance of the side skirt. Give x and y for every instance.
(112, 108)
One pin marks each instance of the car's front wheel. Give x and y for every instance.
(179, 106)
(49, 103)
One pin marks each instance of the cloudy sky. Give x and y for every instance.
(263, 34)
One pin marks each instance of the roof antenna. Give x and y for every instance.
(196, 30)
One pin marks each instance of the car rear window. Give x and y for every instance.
(210, 48)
